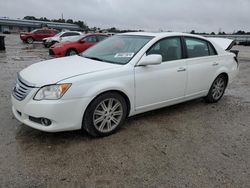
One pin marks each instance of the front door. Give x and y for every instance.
(157, 85)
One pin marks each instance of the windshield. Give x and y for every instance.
(34, 31)
(119, 49)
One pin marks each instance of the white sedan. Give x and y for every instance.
(124, 75)
(63, 36)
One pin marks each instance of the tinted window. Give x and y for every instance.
(169, 48)
(90, 39)
(196, 47)
(211, 49)
(46, 31)
(69, 34)
(38, 32)
(101, 37)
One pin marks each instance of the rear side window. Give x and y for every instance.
(211, 49)
(198, 48)
(169, 48)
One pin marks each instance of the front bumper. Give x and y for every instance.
(65, 115)
(56, 52)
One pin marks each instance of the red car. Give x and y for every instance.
(37, 35)
(77, 46)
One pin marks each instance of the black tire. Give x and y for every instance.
(217, 89)
(30, 40)
(71, 52)
(104, 126)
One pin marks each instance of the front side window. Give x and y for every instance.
(90, 39)
(196, 47)
(118, 49)
(169, 48)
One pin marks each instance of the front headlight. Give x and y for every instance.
(52, 92)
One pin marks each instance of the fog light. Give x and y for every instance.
(45, 122)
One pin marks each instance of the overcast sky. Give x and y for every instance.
(152, 15)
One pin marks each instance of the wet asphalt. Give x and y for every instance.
(192, 144)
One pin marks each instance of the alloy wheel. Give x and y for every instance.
(107, 115)
(218, 88)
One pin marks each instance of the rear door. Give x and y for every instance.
(202, 62)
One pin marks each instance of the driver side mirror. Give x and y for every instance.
(154, 59)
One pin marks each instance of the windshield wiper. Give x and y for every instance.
(93, 58)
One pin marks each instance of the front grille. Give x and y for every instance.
(51, 52)
(21, 90)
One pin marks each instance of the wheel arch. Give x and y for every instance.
(120, 92)
(225, 75)
(71, 48)
(29, 37)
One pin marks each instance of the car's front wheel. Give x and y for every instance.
(105, 114)
(30, 40)
(217, 89)
(71, 52)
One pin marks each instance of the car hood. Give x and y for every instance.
(55, 70)
(54, 38)
(47, 38)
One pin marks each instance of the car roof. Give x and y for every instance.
(70, 32)
(162, 34)
(90, 34)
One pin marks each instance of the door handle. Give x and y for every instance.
(181, 69)
(215, 64)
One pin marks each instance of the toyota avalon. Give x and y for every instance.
(122, 76)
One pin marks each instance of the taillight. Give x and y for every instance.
(236, 52)
(236, 59)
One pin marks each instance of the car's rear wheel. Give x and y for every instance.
(105, 114)
(30, 40)
(71, 52)
(217, 89)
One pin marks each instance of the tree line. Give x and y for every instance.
(80, 23)
(240, 32)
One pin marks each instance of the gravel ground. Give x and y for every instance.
(193, 144)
